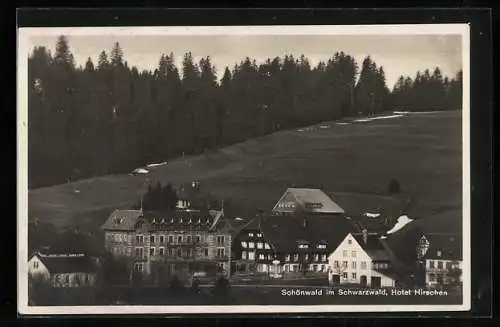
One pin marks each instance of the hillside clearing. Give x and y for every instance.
(354, 162)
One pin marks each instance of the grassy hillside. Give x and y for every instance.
(354, 162)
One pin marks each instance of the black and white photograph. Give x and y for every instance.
(243, 169)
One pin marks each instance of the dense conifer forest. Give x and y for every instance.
(109, 117)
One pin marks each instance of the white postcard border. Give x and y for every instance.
(22, 159)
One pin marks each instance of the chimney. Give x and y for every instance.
(193, 184)
(365, 235)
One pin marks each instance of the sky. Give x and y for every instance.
(398, 54)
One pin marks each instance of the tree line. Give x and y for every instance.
(110, 117)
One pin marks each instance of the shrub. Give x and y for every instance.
(394, 187)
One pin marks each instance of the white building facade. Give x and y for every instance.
(350, 263)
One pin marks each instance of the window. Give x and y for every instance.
(139, 267)
(344, 264)
(162, 239)
(323, 257)
(259, 235)
(87, 280)
(206, 252)
(448, 265)
(220, 252)
(266, 245)
(440, 265)
(250, 234)
(261, 256)
(295, 257)
(35, 264)
(353, 276)
(139, 238)
(287, 268)
(344, 275)
(363, 264)
(353, 254)
(67, 279)
(306, 257)
(321, 246)
(170, 239)
(251, 245)
(189, 238)
(244, 255)
(260, 245)
(269, 257)
(353, 265)
(432, 277)
(336, 264)
(152, 239)
(139, 252)
(431, 264)
(162, 251)
(188, 253)
(438, 253)
(220, 239)
(322, 268)
(316, 257)
(170, 252)
(179, 252)
(251, 255)
(152, 252)
(315, 268)
(198, 239)
(244, 244)
(287, 257)
(179, 239)
(344, 253)
(303, 246)
(349, 241)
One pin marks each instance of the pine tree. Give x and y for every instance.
(103, 60)
(117, 55)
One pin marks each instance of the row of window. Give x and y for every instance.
(345, 264)
(440, 264)
(251, 256)
(316, 257)
(76, 279)
(252, 234)
(316, 268)
(345, 253)
(139, 252)
(153, 239)
(252, 245)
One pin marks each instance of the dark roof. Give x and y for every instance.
(67, 263)
(179, 220)
(449, 245)
(284, 232)
(129, 220)
(122, 220)
(373, 246)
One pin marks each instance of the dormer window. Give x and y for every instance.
(439, 253)
(259, 235)
(303, 246)
(321, 246)
(250, 234)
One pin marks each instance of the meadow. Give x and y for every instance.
(353, 162)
